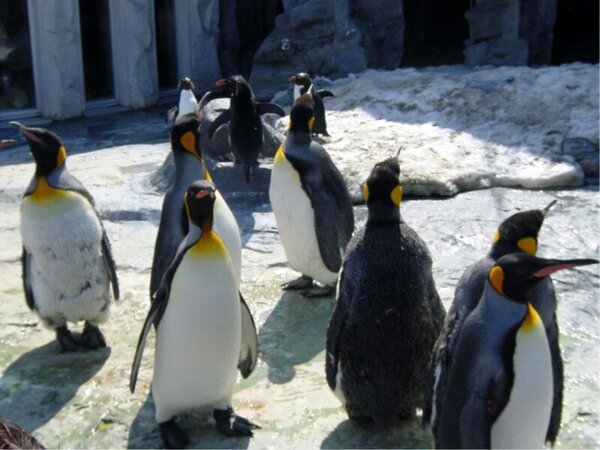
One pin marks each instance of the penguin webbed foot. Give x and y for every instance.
(230, 424)
(302, 282)
(317, 291)
(92, 337)
(66, 340)
(171, 435)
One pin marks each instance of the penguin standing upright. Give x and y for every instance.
(245, 123)
(204, 328)
(189, 166)
(517, 233)
(187, 101)
(500, 385)
(388, 312)
(311, 204)
(302, 83)
(67, 261)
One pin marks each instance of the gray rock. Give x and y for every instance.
(585, 153)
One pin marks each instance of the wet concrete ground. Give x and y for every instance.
(82, 400)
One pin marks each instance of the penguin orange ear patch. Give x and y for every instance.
(528, 245)
(396, 195)
(497, 278)
(496, 237)
(366, 192)
(61, 157)
(311, 123)
(188, 141)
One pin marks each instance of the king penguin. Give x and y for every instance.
(500, 385)
(302, 85)
(67, 261)
(187, 101)
(245, 124)
(204, 328)
(311, 204)
(388, 313)
(517, 233)
(189, 166)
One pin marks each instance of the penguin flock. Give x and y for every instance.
(489, 374)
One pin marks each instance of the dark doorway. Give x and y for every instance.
(166, 43)
(576, 32)
(435, 32)
(96, 46)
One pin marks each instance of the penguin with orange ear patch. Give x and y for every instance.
(500, 385)
(388, 312)
(517, 233)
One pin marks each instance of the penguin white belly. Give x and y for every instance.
(524, 421)
(437, 374)
(227, 228)
(297, 93)
(187, 102)
(339, 393)
(295, 219)
(198, 338)
(68, 273)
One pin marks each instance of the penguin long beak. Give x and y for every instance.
(292, 79)
(547, 208)
(555, 265)
(221, 83)
(26, 132)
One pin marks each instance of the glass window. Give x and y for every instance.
(166, 49)
(97, 53)
(16, 71)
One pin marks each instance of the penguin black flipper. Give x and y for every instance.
(221, 119)
(110, 264)
(158, 305)
(249, 348)
(212, 95)
(558, 381)
(325, 93)
(476, 420)
(330, 201)
(273, 108)
(172, 115)
(334, 333)
(29, 298)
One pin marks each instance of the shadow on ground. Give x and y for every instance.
(48, 379)
(294, 333)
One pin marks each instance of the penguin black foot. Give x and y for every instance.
(92, 337)
(317, 291)
(66, 340)
(171, 435)
(230, 424)
(303, 282)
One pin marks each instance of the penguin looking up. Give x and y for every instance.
(311, 204)
(500, 385)
(187, 101)
(245, 123)
(302, 83)
(517, 233)
(189, 166)
(204, 329)
(388, 313)
(67, 261)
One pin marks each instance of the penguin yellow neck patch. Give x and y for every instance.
(496, 237)
(61, 157)
(279, 156)
(188, 141)
(311, 123)
(528, 245)
(497, 279)
(532, 319)
(396, 195)
(44, 192)
(209, 244)
(366, 192)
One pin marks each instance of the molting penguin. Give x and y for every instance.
(388, 313)
(500, 385)
(311, 204)
(187, 101)
(245, 123)
(517, 233)
(302, 83)
(67, 261)
(204, 328)
(13, 436)
(189, 166)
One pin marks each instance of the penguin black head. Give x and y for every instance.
(383, 192)
(301, 79)
(185, 84)
(236, 85)
(514, 275)
(185, 135)
(199, 201)
(520, 231)
(47, 149)
(302, 115)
